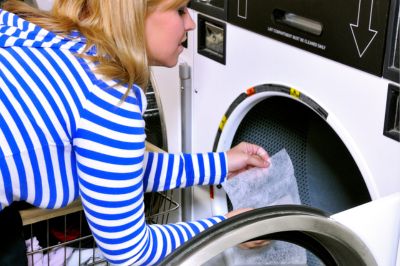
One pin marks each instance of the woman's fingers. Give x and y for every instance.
(254, 244)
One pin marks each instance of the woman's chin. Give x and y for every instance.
(170, 62)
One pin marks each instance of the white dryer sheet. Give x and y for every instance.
(260, 187)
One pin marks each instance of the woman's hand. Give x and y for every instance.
(244, 156)
(240, 158)
(250, 244)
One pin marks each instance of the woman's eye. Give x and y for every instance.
(182, 11)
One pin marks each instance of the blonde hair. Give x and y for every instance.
(115, 27)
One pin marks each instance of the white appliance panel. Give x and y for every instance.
(355, 100)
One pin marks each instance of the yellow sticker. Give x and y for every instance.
(222, 123)
(295, 93)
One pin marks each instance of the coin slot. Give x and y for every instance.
(211, 39)
(297, 22)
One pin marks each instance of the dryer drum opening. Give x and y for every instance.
(327, 176)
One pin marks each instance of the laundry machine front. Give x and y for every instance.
(264, 78)
(318, 78)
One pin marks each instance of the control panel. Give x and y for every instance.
(352, 32)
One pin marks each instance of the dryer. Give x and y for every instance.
(318, 78)
(326, 96)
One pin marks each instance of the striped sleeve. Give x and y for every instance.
(171, 236)
(110, 150)
(165, 171)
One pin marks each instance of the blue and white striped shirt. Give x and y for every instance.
(64, 134)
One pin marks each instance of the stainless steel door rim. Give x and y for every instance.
(331, 242)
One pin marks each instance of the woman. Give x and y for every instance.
(71, 124)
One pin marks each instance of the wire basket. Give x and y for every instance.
(63, 237)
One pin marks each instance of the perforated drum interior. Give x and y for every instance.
(327, 175)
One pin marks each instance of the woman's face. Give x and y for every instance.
(165, 31)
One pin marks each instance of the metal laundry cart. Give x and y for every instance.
(63, 234)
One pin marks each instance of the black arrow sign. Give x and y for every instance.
(362, 33)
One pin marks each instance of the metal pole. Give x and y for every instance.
(186, 122)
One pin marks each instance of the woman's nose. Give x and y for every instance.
(189, 22)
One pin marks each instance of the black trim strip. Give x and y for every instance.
(271, 88)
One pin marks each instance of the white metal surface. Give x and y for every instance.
(166, 82)
(355, 100)
(378, 225)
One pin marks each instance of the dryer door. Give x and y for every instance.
(332, 242)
